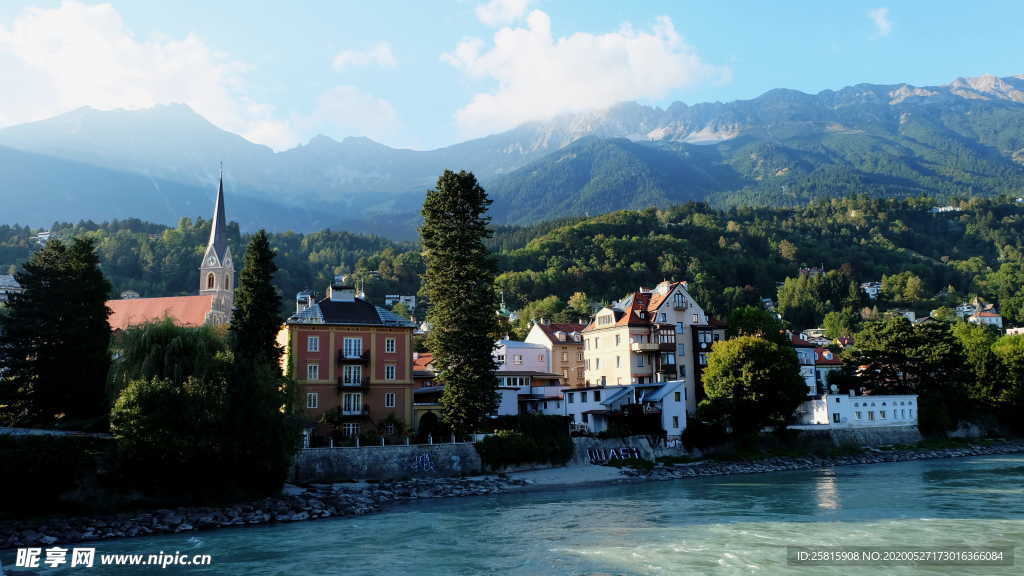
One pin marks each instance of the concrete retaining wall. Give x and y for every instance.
(867, 436)
(385, 462)
(596, 450)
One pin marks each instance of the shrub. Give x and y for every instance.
(42, 468)
(527, 438)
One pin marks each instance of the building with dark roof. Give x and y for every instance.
(353, 362)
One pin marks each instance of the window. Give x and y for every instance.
(389, 399)
(353, 347)
(597, 363)
(390, 371)
(881, 414)
(572, 398)
(835, 417)
(583, 396)
(675, 421)
(350, 429)
(312, 400)
(227, 282)
(517, 359)
(703, 358)
(597, 395)
(389, 429)
(662, 317)
(617, 340)
(540, 357)
(586, 417)
(859, 416)
(565, 356)
(579, 357)
(679, 301)
(389, 345)
(680, 327)
(871, 414)
(211, 281)
(313, 344)
(695, 319)
(312, 371)
(352, 403)
(640, 361)
(565, 373)
(597, 342)
(618, 362)
(579, 373)
(677, 396)
(545, 404)
(351, 375)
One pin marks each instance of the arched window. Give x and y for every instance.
(227, 282)
(211, 281)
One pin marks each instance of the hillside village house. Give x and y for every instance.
(352, 361)
(651, 336)
(564, 343)
(216, 298)
(8, 286)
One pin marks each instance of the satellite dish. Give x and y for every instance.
(834, 388)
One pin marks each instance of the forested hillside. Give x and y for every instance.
(927, 258)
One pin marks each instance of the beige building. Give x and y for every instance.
(650, 336)
(564, 342)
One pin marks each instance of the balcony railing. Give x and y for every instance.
(362, 358)
(644, 346)
(350, 383)
(359, 412)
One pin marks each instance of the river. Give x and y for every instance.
(724, 525)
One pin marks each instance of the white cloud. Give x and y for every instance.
(883, 24)
(79, 55)
(539, 76)
(350, 111)
(379, 54)
(498, 12)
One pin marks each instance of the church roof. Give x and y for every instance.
(218, 228)
(183, 310)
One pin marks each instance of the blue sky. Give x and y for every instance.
(424, 74)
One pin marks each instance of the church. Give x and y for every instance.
(212, 306)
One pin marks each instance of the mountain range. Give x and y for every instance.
(784, 147)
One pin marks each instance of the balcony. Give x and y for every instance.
(357, 413)
(363, 382)
(363, 358)
(644, 346)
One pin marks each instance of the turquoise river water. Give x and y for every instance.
(724, 525)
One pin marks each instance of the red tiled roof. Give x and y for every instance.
(987, 314)
(826, 357)
(800, 342)
(183, 310)
(422, 362)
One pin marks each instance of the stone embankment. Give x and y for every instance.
(293, 505)
(357, 498)
(872, 456)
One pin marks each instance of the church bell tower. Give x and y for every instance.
(217, 272)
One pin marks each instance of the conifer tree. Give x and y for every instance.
(54, 340)
(256, 318)
(459, 284)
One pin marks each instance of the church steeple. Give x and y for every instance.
(218, 234)
(217, 271)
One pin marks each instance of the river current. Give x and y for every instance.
(725, 525)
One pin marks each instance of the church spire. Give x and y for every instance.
(218, 232)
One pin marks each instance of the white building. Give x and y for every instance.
(408, 301)
(872, 289)
(589, 408)
(513, 355)
(851, 411)
(8, 286)
(986, 318)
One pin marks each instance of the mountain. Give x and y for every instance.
(782, 148)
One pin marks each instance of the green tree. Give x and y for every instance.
(1010, 351)
(988, 379)
(459, 282)
(164, 351)
(839, 324)
(256, 318)
(756, 321)
(578, 307)
(54, 340)
(755, 381)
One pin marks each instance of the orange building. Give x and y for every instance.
(353, 363)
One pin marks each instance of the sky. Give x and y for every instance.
(430, 73)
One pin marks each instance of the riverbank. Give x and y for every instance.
(358, 498)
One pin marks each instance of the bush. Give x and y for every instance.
(526, 438)
(39, 469)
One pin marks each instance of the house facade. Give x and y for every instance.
(589, 409)
(651, 336)
(564, 343)
(853, 411)
(352, 361)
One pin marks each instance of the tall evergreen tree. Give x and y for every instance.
(54, 339)
(459, 284)
(262, 435)
(256, 318)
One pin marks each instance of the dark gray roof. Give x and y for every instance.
(358, 312)
(218, 228)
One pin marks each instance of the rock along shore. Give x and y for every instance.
(358, 498)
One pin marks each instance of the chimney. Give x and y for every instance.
(342, 290)
(303, 300)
